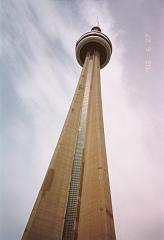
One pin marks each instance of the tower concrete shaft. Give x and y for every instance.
(74, 202)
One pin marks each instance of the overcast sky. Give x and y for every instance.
(38, 77)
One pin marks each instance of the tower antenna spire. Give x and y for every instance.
(97, 23)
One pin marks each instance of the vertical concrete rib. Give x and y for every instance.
(47, 217)
(70, 223)
(96, 216)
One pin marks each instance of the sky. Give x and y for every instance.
(38, 77)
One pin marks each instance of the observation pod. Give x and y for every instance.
(94, 40)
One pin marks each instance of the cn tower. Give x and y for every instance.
(74, 202)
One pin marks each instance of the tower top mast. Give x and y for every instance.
(97, 23)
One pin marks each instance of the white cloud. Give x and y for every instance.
(45, 90)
